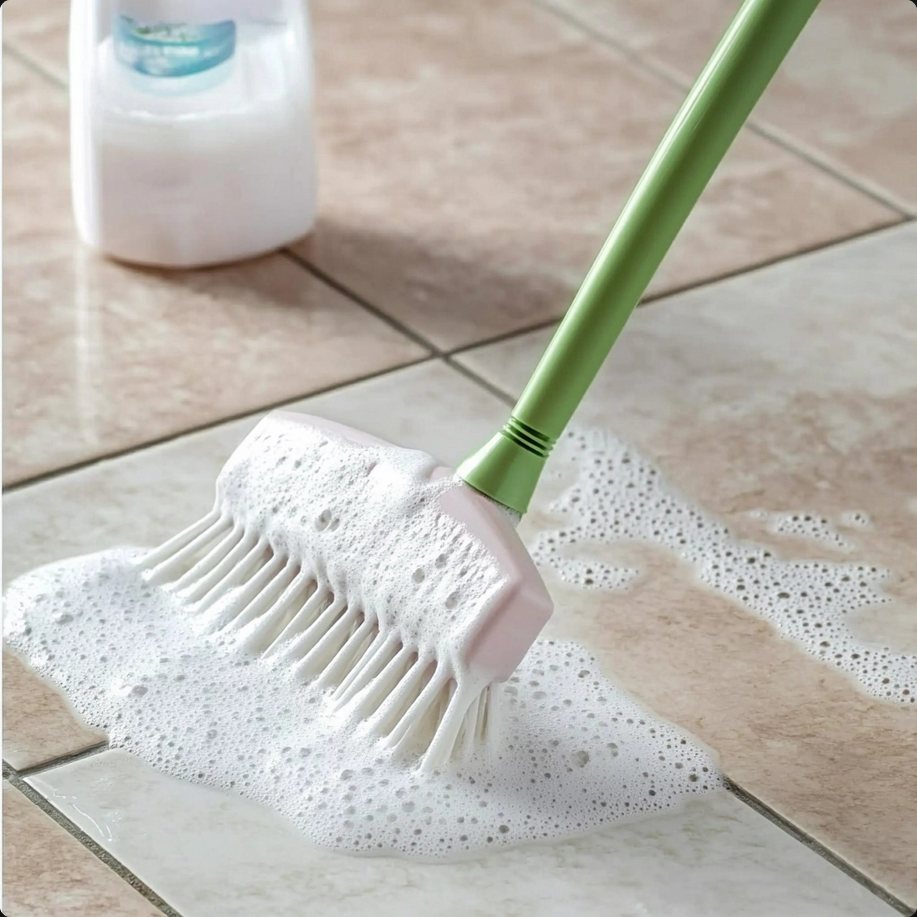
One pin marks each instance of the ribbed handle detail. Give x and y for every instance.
(527, 437)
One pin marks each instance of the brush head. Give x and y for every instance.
(370, 568)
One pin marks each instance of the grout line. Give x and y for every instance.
(480, 381)
(365, 303)
(28, 61)
(91, 845)
(55, 473)
(60, 761)
(820, 161)
(683, 83)
(850, 871)
(812, 249)
(647, 65)
(514, 333)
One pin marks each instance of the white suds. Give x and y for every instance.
(575, 753)
(212, 676)
(807, 525)
(173, 685)
(618, 495)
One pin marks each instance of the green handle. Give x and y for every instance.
(507, 468)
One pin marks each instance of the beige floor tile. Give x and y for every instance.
(38, 724)
(473, 161)
(213, 854)
(47, 872)
(789, 389)
(99, 357)
(847, 92)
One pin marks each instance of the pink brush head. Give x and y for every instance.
(370, 568)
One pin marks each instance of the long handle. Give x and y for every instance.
(507, 468)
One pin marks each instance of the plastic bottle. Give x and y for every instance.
(191, 128)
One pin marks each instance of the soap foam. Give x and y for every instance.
(810, 526)
(574, 753)
(618, 495)
(208, 695)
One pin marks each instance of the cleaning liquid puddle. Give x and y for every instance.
(574, 752)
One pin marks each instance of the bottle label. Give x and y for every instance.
(169, 49)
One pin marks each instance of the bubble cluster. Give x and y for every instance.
(588, 574)
(856, 519)
(618, 495)
(808, 525)
(574, 754)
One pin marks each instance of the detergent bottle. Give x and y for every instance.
(191, 128)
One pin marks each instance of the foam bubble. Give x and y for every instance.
(619, 495)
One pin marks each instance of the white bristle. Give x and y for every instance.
(170, 548)
(284, 612)
(337, 563)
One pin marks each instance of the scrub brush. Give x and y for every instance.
(399, 585)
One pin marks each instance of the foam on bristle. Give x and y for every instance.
(618, 495)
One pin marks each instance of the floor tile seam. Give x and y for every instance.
(36, 66)
(660, 298)
(42, 767)
(55, 473)
(381, 314)
(793, 145)
(91, 845)
(799, 834)
(761, 128)
(480, 381)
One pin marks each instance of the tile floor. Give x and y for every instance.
(846, 95)
(91, 339)
(739, 416)
(64, 877)
(788, 387)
